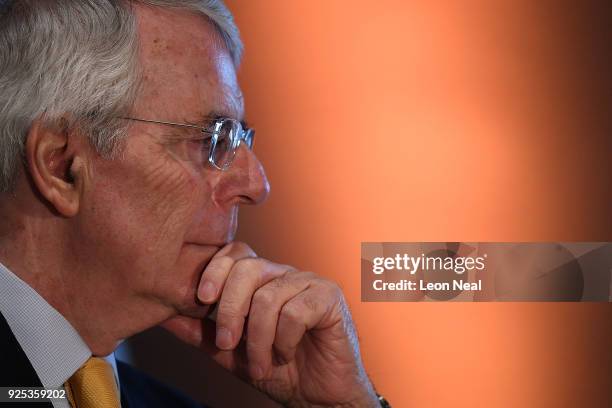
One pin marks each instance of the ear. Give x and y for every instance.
(55, 160)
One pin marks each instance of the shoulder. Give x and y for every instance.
(139, 390)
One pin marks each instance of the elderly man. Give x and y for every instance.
(123, 160)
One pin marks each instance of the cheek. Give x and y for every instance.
(168, 198)
(137, 218)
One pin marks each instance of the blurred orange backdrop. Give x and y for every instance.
(439, 121)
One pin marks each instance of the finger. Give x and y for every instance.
(234, 361)
(201, 333)
(263, 318)
(216, 272)
(246, 276)
(312, 308)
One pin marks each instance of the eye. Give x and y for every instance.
(223, 141)
(223, 152)
(197, 150)
(205, 144)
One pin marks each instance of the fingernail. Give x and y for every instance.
(256, 372)
(207, 292)
(224, 338)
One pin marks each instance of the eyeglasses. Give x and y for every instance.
(220, 140)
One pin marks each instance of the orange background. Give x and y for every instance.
(443, 121)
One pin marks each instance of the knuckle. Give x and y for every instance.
(226, 319)
(233, 324)
(310, 303)
(219, 266)
(279, 283)
(256, 346)
(246, 270)
(248, 265)
(332, 288)
(229, 309)
(292, 313)
(264, 298)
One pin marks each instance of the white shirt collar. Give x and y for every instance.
(52, 345)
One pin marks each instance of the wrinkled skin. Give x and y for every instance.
(147, 237)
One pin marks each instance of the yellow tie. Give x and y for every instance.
(93, 386)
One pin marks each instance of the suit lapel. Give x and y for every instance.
(16, 370)
(125, 398)
(20, 371)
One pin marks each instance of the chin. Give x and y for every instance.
(185, 279)
(183, 298)
(196, 311)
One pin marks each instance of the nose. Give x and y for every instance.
(244, 182)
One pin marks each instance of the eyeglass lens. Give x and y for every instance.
(228, 139)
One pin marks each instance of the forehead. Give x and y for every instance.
(187, 71)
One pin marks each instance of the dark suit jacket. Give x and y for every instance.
(138, 390)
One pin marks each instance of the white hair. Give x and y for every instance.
(76, 62)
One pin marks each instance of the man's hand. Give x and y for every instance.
(289, 332)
